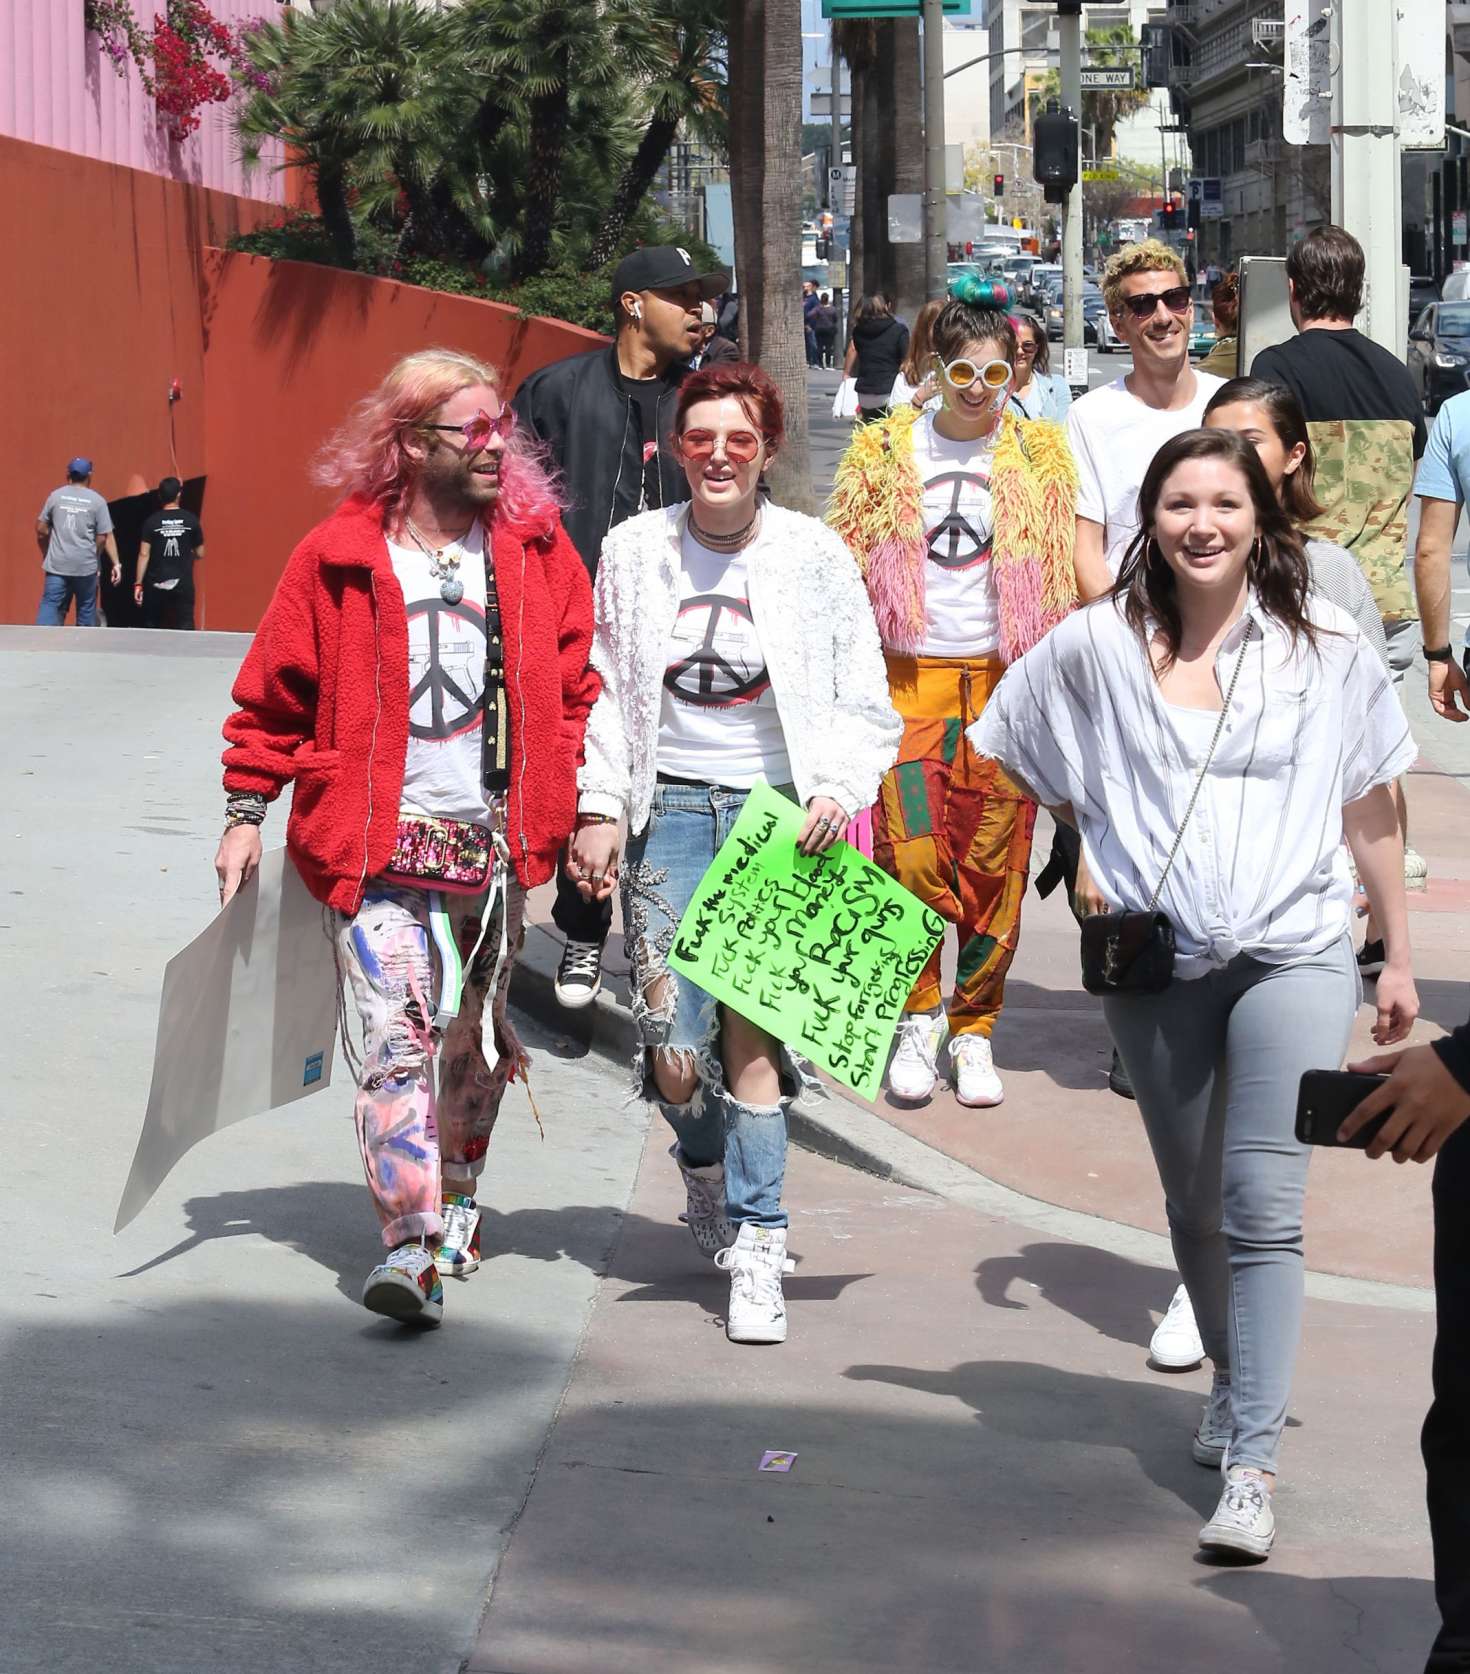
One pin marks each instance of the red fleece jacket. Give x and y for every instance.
(323, 698)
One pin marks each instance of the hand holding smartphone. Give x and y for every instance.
(1325, 1100)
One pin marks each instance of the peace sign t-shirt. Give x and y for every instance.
(442, 772)
(961, 613)
(718, 722)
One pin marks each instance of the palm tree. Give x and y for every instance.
(861, 45)
(546, 49)
(909, 282)
(765, 164)
(684, 89)
(365, 97)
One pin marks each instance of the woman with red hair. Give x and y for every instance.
(735, 645)
(420, 678)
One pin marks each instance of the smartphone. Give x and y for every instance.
(1324, 1101)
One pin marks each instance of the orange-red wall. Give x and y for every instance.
(290, 347)
(111, 288)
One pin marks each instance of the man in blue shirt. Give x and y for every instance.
(1442, 486)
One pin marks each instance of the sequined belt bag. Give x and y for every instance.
(456, 856)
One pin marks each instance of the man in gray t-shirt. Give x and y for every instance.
(73, 532)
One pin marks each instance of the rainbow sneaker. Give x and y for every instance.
(458, 1254)
(406, 1287)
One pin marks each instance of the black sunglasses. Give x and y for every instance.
(1175, 299)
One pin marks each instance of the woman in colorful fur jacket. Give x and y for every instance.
(962, 520)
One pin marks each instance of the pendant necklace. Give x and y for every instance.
(444, 566)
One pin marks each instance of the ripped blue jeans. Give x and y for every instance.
(658, 876)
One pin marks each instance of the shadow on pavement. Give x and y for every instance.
(1115, 1296)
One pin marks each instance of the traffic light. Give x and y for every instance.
(1055, 137)
(1000, 185)
(824, 249)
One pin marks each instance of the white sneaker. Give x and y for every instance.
(406, 1287)
(914, 1071)
(1216, 1426)
(579, 976)
(1175, 1344)
(1243, 1520)
(975, 1080)
(1416, 870)
(755, 1263)
(458, 1254)
(704, 1206)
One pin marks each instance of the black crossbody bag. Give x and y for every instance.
(1133, 953)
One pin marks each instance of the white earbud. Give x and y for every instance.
(637, 313)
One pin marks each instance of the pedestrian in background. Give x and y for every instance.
(809, 306)
(1367, 429)
(1214, 730)
(875, 354)
(1442, 485)
(916, 377)
(1267, 416)
(420, 678)
(74, 533)
(1116, 430)
(1224, 359)
(961, 519)
(606, 419)
(1040, 393)
(171, 543)
(712, 348)
(735, 645)
(824, 325)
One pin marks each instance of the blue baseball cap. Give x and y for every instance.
(79, 467)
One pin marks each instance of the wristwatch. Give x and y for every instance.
(1445, 654)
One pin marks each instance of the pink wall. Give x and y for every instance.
(58, 88)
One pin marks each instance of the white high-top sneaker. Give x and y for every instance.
(914, 1071)
(755, 1262)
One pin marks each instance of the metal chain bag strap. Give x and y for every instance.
(1133, 953)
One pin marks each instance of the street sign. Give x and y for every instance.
(1100, 174)
(1208, 194)
(885, 8)
(842, 184)
(1074, 365)
(1114, 78)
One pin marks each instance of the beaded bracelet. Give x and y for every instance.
(244, 808)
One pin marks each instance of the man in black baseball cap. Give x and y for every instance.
(606, 418)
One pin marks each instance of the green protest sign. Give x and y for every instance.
(820, 950)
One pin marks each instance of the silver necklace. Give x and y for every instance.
(445, 565)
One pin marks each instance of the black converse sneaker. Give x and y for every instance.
(579, 976)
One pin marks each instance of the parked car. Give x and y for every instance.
(1092, 310)
(1439, 352)
(1202, 332)
(1107, 334)
(1036, 291)
(1422, 291)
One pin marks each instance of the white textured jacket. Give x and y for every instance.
(811, 613)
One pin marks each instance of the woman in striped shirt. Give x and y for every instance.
(1213, 700)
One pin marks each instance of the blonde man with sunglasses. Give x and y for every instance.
(961, 519)
(1115, 431)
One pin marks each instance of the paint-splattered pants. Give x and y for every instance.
(423, 1134)
(951, 827)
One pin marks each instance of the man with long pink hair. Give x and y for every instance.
(421, 680)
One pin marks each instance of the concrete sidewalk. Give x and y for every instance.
(988, 1481)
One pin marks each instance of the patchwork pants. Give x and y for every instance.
(951, 827)
(422, 1134)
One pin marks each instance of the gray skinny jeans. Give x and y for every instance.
(1215, 1063)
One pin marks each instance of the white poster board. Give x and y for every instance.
(247, 1023)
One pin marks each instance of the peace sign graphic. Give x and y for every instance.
(709, 676)
(954, 542)
(448, 642)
